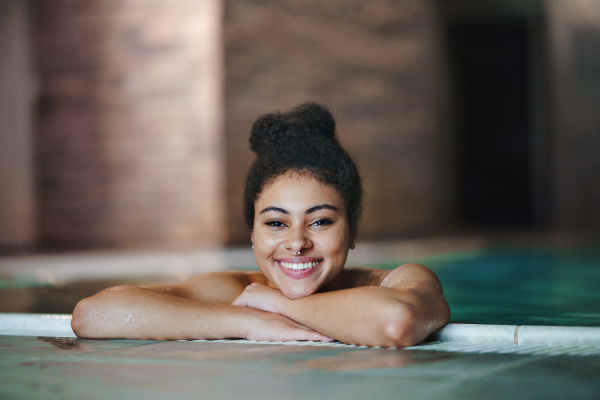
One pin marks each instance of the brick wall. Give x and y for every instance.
(145, 111)
(379, 67)
(129, 139)
(130, 146)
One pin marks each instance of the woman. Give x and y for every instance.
(302, 203)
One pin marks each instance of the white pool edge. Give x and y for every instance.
(48, 325)
(59, 325)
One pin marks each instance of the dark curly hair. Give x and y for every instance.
(301, 140)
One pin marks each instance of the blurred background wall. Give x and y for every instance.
(380, 67)
(574, 34)
(18, 92)
(127, 122)
(124, 123)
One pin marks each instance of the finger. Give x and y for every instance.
(317, 337)
(309, 334)
(321, 338)
(238, 302)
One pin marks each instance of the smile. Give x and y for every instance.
(300, 266)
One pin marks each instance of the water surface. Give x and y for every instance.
(522, 287)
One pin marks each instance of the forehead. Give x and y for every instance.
(293, 188)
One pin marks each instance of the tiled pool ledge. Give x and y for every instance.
(49, 325)
(518, 334)
(59, 325)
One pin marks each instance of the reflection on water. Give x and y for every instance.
(370, 359)
(68, 344)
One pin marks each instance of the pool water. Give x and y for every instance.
(503, 286)
(540, 286)
(522, 287)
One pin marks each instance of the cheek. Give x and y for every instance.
(338, 245)
(265, 246)
(265, 241)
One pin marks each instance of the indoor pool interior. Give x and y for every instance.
(525, 323)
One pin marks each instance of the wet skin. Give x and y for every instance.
(301, 239)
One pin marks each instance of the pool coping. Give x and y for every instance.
(59, 325)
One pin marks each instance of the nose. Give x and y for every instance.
(298, 240)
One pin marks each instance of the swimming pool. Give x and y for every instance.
(483, 285)
(522, 286)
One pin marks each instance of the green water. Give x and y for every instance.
(501, 286)
(522, 287)
(519, 286)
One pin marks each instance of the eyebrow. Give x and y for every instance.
(322, 207)
(309, 211)
(277, 209)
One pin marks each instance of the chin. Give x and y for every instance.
(297, 293)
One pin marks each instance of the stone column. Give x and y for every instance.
(130, 114)
(17, 101)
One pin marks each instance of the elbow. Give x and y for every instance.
(82, 318)
(408, 324)
(401, 327)
(90, 317)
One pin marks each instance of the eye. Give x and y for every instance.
(322, 222)
(275, 223)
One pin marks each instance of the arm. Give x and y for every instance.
(400, 309)
(191, 310)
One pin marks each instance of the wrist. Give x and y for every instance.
(284, 305)
(243, 319)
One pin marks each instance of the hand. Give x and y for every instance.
(268, 323)
(276, 327)
(261, 297)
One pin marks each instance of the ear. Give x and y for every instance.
(353, 235)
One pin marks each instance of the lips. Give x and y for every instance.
(299, 268)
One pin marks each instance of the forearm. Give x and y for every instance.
(137, 313)
(373, 316)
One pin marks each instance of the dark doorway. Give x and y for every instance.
(489, 63)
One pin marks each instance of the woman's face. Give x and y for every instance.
(301, 234)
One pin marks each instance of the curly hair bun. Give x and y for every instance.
(304, 122)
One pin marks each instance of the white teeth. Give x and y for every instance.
(300, 266)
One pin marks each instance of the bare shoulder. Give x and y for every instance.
(214, 287)
(406, 275)
(411, 274)
(361, 276)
